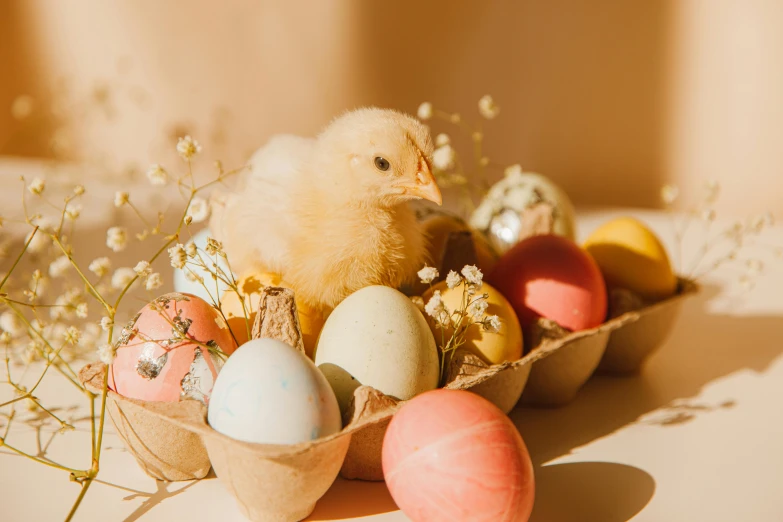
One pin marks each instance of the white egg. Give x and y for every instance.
(268, 392)
(214, 289)
(377, 337)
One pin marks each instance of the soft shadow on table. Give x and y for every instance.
(151, 499)
(703, 347)
(353, 499)
(600, 491)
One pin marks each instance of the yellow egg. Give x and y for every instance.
(493, 348)
(310, 320)
(630, 256)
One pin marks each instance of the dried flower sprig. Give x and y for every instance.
(57, 334)
(717, 249)
(449, 170)
(454, 325)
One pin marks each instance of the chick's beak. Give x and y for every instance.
(424, 185)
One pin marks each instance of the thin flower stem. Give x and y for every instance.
(21, 453)
(18, 258)
(81, 274)
(85, 486)
(136, 210)
(56, 352)
(97, 455)
(91, 398)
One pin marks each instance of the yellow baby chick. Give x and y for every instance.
(330, 214)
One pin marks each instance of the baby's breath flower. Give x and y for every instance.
(73, 211)
(436, 309)
(72, 335)
(669, 194)
(425, 111)
(487, 107)
(428, 274)
(477, 308)
(78, 190)
(5, 337)
(443, 157)
(711, 189)
(10, 323)
(178, 256)
(472, 274)
(121, 277)
(37, 186)
(100, 266)
(143, 268)
(120, 198)
(442, 139)
(59, 266)
(116, 239)
(757, 223)
(455, 118)
(492, 324)
(39, 242)
(187, 147)
(157, 175)
(81, 310)
(418, 302)
(198, 210)
(107, 353)
(484, 161)
(22, 106)
(191, 249)
(755, 266)
(513, 170)
(106, 323)
(213, 246)
(154, 281)
(708, 214)
(453, 279)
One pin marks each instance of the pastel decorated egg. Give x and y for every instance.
(170, 350)
(311, 320)
(377, 337)
(271, 393)
(493, 348)
(211, 289)
(437, 228)
(452, 455)
(520, 205)
(551, 277)
(632, 257)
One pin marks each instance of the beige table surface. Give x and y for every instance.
(698, 436)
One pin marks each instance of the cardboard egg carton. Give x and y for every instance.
(172, 441)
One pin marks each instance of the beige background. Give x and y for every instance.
(610, 98)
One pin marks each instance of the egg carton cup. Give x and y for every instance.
(163, 450)
(646, 329)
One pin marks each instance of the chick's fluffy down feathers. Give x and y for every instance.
(321, 214)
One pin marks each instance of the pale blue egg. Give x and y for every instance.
(268, 392)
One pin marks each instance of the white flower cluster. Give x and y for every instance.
(474, 306)
(152, 280)
(187, 147)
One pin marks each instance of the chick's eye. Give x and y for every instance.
(382, 163)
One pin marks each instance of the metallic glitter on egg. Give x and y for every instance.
(522, 205)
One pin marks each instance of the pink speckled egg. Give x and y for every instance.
(550, 276)
(168, 352)
(450, 455)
